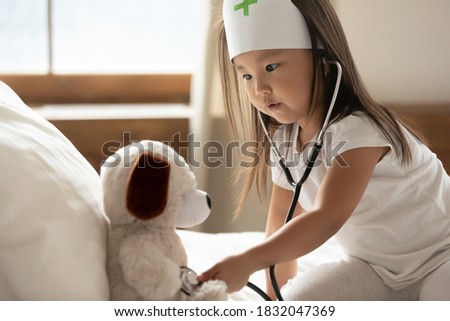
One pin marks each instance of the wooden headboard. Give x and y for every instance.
(434, 122)
(98, 134)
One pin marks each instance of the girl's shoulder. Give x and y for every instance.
(354, 126)
(356, 118)
(355, 131)
(357, 124)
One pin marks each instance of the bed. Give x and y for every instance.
(204, 249)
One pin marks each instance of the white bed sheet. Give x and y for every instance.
(205, 249)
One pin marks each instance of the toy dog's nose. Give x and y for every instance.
(208, 201)
(195, 209)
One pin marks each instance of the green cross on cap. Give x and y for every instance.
(245, 6)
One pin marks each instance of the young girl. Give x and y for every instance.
(375, 186)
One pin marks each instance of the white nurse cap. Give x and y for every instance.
(264, 24)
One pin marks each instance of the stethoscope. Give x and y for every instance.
(189, 277)
(309, 166)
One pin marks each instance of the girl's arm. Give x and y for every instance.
(338, 196)
(279, 205)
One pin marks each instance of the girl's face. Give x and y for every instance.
(278, 82)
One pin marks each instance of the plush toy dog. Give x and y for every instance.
(149, 190)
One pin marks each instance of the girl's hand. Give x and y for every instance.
(234, 271)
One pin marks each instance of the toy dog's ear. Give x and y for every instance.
(148, 186)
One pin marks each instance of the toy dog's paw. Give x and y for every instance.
(213, 290)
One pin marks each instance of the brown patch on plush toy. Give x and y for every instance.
(148, 186)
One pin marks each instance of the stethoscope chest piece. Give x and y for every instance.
(188, 280)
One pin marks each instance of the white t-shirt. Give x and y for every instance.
(402, 224)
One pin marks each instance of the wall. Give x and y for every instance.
(402, 47)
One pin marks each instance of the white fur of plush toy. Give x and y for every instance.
(149, 191)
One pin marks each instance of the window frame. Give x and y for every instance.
(37, 90)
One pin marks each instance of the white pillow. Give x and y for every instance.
(52, 225)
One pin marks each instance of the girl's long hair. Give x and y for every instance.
(324, 26)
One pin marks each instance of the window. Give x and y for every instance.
(52, 50)
(23, 36)
(123, 36)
